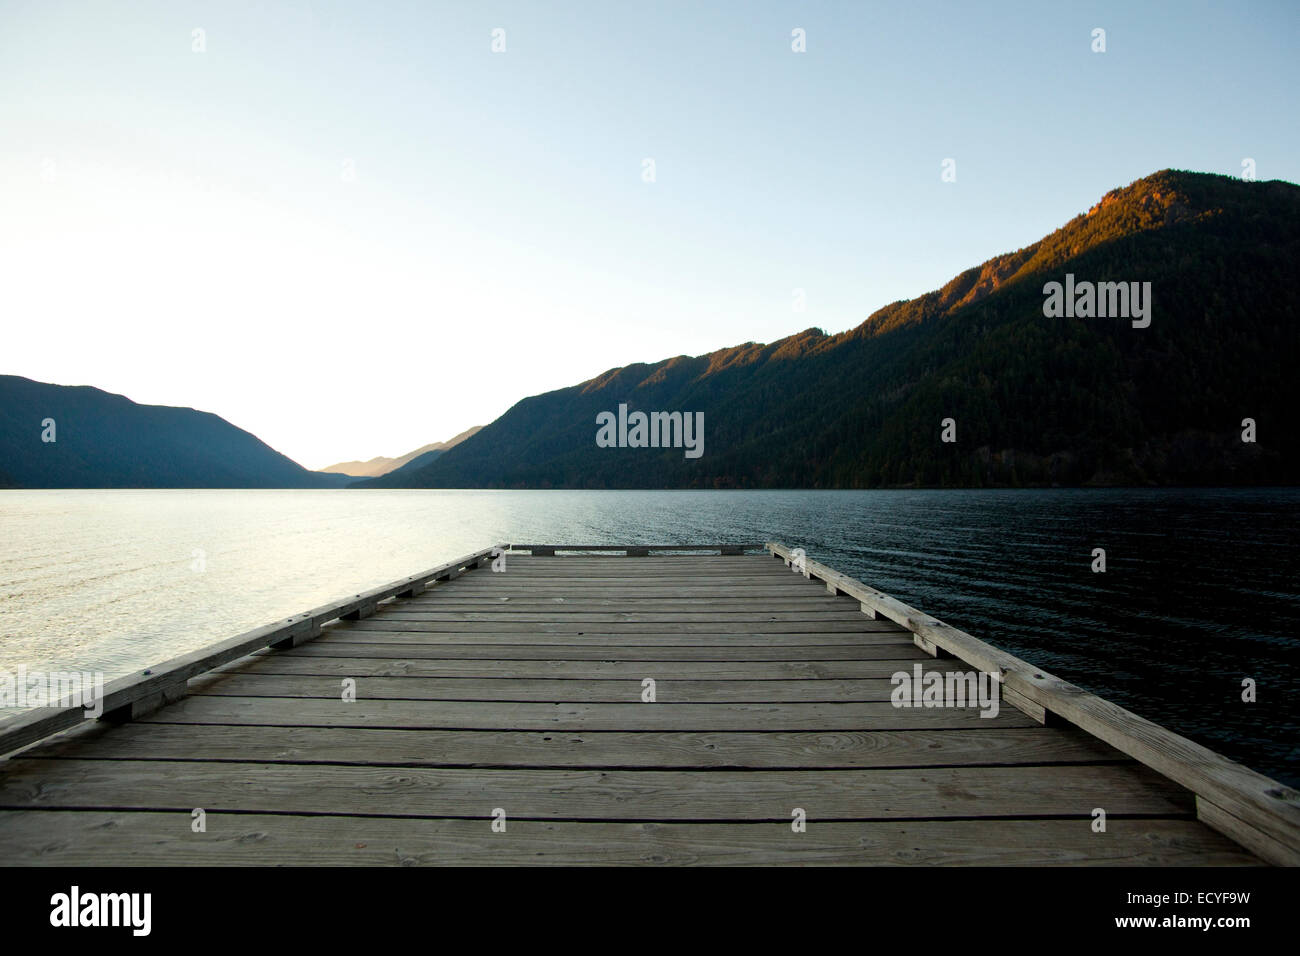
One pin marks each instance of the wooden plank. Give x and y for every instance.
(380, 647)
(1256, 800)
(1062, 790)
(701, 577)
(623, 547)
(775, 629)
(683, 554)
(450, 715)
(717, 580)
(559, 605)
(604, 569)
(668, 691)
(672, 565)
(288, 664)
(615, 567)
(395, 632)
(623, 570)
(610, 749)
(37, 838)
(645, 590)
(670, 618)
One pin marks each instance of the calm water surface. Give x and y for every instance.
(1200, 589)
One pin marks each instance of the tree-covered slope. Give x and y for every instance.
(1036, 400)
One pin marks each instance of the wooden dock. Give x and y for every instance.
(505, 718)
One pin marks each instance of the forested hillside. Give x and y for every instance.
(1036, 400)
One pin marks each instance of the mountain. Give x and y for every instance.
(102, 440)
(1036, 400)
(382, 466)
(420, 460)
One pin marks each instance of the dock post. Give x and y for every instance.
(143, 706)
(296, 638)
(359, 613)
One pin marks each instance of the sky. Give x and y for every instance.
(353, 228)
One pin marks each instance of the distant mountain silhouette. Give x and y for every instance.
(382, 466)
(1035, 400)
(420, 461)
(104, 440)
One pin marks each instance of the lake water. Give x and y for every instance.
(1199, 592)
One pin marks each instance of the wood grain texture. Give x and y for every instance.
(315, 665)
(977, 746)
(594, 794)
(561, 690)
(313, 712)
(396, 646)
(160, 839)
